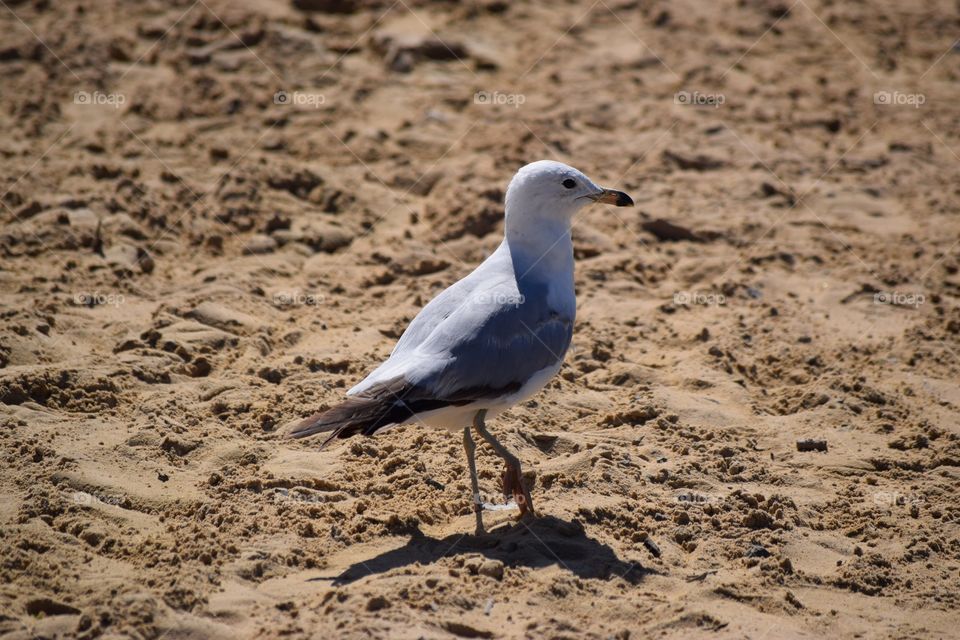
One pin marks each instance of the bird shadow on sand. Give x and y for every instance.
(543, 542)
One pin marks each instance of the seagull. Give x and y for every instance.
(489, 341)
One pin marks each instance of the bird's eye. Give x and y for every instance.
(569, 183)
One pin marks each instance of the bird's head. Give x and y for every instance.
(549, 189)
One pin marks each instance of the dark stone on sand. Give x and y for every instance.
(666, 231)
(811, 445)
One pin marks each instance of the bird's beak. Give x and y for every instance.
(618, 198)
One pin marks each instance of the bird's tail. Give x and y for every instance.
(350, 417)
(383, 405)
(387, 403)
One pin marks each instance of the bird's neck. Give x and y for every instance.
(540, 245)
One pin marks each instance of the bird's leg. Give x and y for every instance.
(513, 478)
(470, 448)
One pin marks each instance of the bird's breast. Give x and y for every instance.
(562, 299)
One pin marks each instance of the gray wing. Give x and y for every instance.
(488, 348)
(485, 335)
(496, 269)
(491, 341)
(436, 311)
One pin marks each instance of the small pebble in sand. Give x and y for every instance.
(757, 551)
(652, 547)
(492, 569)
(811, 445)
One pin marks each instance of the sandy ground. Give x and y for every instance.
(191, 261)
